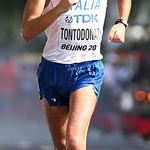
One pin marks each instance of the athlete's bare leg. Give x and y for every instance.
(69, 132)
(82, 104)
(57, 118)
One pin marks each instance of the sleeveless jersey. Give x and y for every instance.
(76, 35)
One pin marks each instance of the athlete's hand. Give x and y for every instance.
(65, 5)
(117, 33)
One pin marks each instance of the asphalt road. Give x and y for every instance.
(37, 148)
(33, 135)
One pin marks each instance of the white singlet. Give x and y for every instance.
(76, 35)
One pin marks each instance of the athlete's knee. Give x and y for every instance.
(74, 143)
(60, 145)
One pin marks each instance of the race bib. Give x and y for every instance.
(81, 28)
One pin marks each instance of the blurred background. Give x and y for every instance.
(121, 120)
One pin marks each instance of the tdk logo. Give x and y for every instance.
(82, 18)
(85, 18)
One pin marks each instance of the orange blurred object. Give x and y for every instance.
(140, 95)
(148, 96)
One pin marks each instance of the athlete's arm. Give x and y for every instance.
(117, 32)
(34, 22)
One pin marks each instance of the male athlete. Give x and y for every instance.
(71, 72)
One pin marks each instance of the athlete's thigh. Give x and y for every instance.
(82, 104)
(57, 118)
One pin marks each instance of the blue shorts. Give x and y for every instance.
(57, 81)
